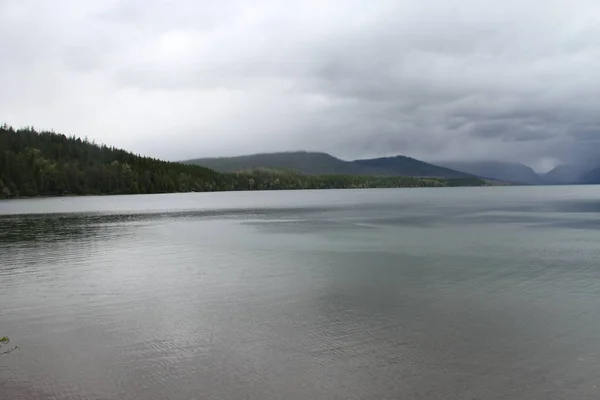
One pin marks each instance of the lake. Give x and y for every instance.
(450, 293)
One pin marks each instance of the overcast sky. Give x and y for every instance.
(434, 79)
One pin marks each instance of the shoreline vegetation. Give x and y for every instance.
(48, 164)
(4, 340)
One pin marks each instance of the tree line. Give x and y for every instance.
(278, 179)
(45, 163)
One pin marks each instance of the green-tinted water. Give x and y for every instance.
(466, 293)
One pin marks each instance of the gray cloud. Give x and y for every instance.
(436, 79)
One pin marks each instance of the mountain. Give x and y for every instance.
(406, 166)
(503, 171)
(49, 164)
(300, 161)
(591, 177)
(566, 174)
(312, 163)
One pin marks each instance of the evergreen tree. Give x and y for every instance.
(49, 164)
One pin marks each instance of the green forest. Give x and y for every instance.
(45, 163)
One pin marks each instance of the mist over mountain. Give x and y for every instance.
(318, 163)
(500, 170)
(590, 177)
(567, 174)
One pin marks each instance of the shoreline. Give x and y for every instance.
(249, 190)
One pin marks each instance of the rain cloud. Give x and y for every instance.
(432, 79)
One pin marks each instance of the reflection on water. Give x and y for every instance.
(479, 293)
(48, 228)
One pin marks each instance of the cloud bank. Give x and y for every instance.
(433, 79)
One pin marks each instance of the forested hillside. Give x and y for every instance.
(268, 179)
(48, 164)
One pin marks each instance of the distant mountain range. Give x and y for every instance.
(406, 166)
(315, 163)
(504, 171)
(50, 164)
(591, 176)
(312, 163)
(568, 174)
(565, 174)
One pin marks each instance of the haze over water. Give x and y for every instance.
(457, 293)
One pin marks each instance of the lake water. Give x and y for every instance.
(454, 293)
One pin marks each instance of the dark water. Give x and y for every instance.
(466, 293)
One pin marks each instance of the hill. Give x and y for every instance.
(49, 164)
(502, 171)
(323, 164)
(311, 163)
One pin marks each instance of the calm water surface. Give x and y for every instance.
(462, 293)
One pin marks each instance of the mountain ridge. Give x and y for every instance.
(317, 163)
(591, 177)
(498, 170)
(408, 166)
(566, 174)
(52, 164)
